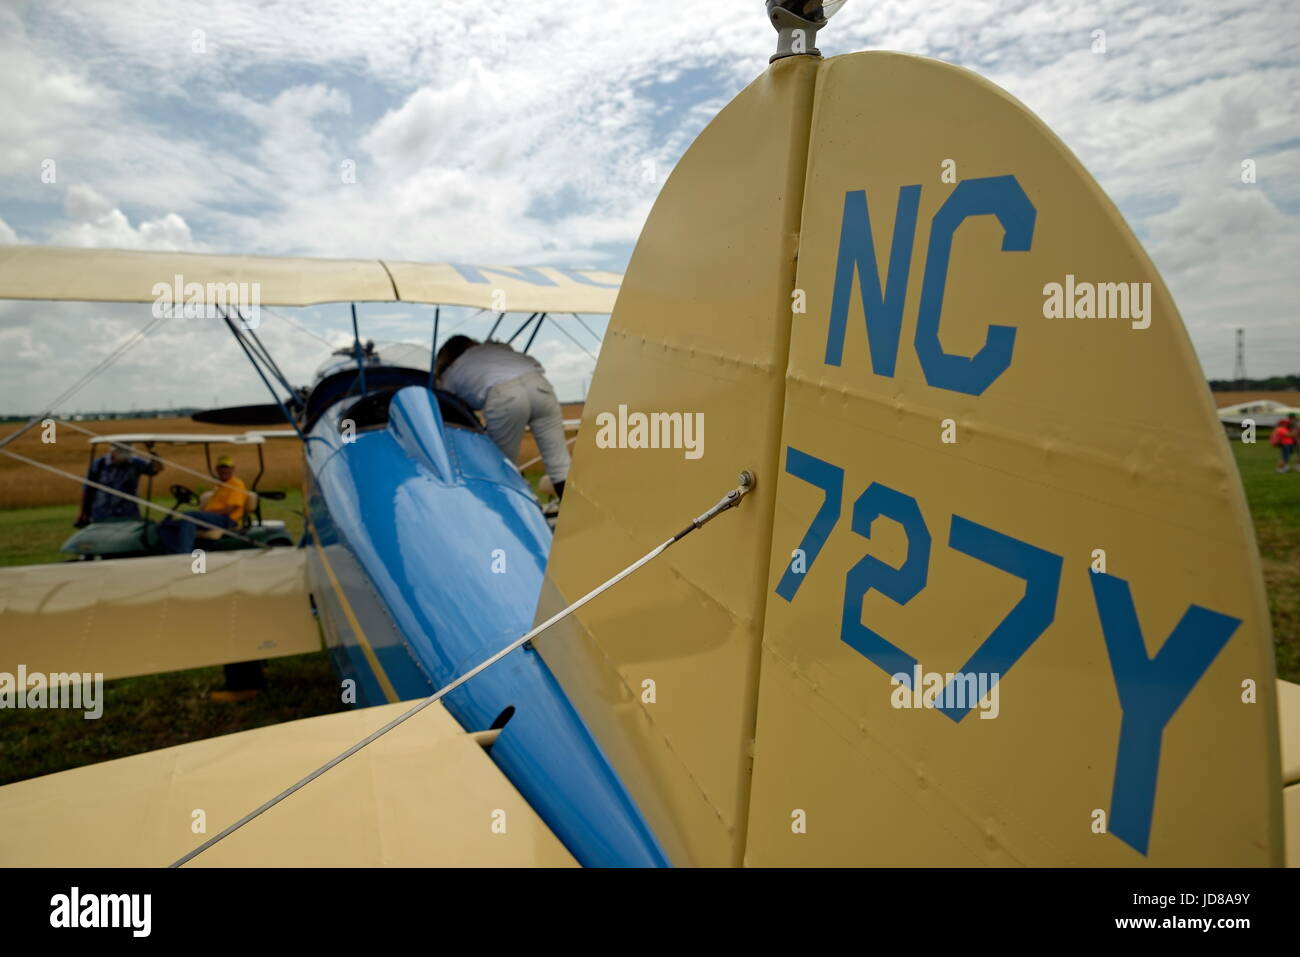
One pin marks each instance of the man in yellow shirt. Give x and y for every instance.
(230, 495)
(224, 508)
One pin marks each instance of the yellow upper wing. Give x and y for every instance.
(122, 275)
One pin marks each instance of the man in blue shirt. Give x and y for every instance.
(121, 470)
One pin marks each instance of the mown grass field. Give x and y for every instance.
(32, 536)
(158, 711)
(1274, 500)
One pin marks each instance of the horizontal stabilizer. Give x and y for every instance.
(1288, 713)
(1288, 717)
(424, 794)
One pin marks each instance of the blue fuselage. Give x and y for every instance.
(427, 555)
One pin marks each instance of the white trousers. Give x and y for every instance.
(528, 401)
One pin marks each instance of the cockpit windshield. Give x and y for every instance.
(405, 355)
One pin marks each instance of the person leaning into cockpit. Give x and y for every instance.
(512, 390)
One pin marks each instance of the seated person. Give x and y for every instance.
(224, 508)
(117, 469)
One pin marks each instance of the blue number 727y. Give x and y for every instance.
(1150, 689)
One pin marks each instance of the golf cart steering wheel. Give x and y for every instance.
(183, 495)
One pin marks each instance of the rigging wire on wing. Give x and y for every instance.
(728, 501)
(300, 327)
(574, 341)
(187, 516)
(598, 339)
(474, 315)
(85, 380)
(199, 437)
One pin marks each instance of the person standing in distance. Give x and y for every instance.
(1284, 440)
(117, 469)
(512, 391)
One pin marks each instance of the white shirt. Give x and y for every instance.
(481, 367)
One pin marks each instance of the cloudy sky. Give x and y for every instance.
(524, 135)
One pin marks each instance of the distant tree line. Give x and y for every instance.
(169, 413)
(1277, 383)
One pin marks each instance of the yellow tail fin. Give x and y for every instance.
(982, 608)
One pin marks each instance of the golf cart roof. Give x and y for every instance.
(256, 437)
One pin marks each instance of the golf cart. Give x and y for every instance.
(134, 537)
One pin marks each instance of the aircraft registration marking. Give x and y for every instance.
(1150, 690)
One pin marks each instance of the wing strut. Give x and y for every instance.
(515, 335)
(243, 344)
(433, 353)
(529, 344)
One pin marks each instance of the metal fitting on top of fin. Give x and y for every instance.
(797, 23)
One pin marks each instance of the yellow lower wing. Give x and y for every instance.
(425, 794)
(139, 616)
(1288, 712)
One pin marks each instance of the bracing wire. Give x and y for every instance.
(86, 379)
(730, 500)
(189, 517)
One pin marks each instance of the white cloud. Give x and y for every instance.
(521, 133)
(96, 222)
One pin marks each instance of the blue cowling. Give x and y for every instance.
(441, 529)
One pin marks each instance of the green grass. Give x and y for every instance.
(158, 711)
(1274, 500)
(32, 536)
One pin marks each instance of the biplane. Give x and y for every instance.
(950, 485)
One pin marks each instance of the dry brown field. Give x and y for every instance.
(24, 486)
